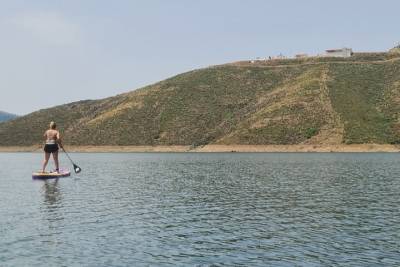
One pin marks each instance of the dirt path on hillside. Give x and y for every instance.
(332, 132)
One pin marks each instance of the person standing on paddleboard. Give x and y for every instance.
(53, 141)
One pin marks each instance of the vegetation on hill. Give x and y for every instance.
(4, 116)
(291, 101)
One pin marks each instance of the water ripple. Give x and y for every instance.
(203, 210)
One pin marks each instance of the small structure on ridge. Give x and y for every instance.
(343, 52)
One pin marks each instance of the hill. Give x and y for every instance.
(352, 100)
(4, 116)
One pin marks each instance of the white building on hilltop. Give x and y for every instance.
(344, 52)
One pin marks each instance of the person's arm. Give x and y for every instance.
(59, 139)
(45, 135)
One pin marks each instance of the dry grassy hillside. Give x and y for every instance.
(299, 101)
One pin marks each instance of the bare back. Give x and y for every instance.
(52, 135)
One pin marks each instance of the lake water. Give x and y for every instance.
(139, 209)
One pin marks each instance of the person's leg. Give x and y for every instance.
(55, 157)
(45, 161)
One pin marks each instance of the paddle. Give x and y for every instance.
(77, 169)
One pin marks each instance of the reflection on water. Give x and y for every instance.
(205, 209)
(52, 205)
(52, 194)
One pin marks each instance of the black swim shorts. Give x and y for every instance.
(50, 148)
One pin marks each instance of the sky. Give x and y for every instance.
(54, 52)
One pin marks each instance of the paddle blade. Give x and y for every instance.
(77, 168)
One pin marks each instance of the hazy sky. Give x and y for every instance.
(54, 52)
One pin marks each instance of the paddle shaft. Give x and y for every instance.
(67, 155)
(77, 169)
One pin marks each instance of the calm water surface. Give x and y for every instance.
(139, 209)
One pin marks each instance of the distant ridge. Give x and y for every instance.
(4, 116)
(313, 100)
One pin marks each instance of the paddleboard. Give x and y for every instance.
(51, 175)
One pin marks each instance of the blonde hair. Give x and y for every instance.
(53, 125)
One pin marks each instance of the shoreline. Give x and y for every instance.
(362, 148)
